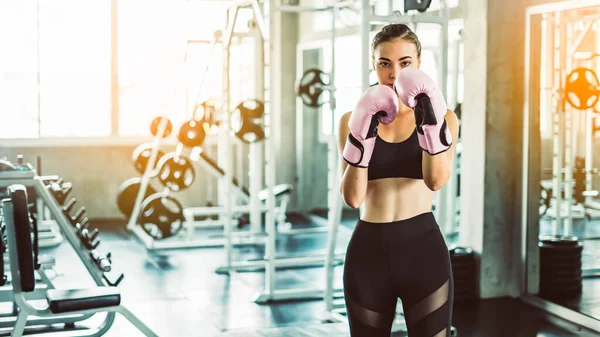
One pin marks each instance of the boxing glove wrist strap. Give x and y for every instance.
(435, 139)
(358, 152)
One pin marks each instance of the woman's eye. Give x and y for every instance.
(405, 64)
(384, 64)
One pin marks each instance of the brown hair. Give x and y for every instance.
(396, 31)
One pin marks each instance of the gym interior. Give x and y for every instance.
(171, 168)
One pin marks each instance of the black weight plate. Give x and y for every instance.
(559, 240)
(561, 290)
(418, 5)
(464, 285)
(310, 87)
(546, 272)
(464, 291)
(560, 265)
(192, 133)
(563, 254)
(245, 121)
(161, 216)
(156, 123)
(463, 272)
(461, 254)
(548, 256)
(251, 108)
(176, 172)
(462, 264)
(250, 133)
(128, 193)
(552, 249)
(557, 260)
(462, 296)
(561, 281)
(561, 261)
(141, 156)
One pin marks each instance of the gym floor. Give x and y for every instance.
(177, 293)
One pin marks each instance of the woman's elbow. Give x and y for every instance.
(352, 202)
(351, 199)
(435, 183)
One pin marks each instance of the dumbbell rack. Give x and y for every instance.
(97, 268)
(31, 180)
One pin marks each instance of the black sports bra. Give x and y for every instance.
(396, 160)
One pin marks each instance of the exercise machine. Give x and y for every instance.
(60, 302)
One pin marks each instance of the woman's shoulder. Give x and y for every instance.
(346, 116)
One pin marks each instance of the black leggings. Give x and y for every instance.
(406, 259)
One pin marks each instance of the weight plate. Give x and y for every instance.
(250, 133)
(560, 272)
(562, 265)
(464, 284)
(176, 172)
(560, 291)
(251, 108)
(156, 123)
(581, 88)
(561, 262)
(560, 249)
(559, 240)
(161, 216)
(128, 192)
(245, 121)
(192, 133)
(311, 86)
(461, 253)
(141, 156)
(463, 265)
(463, 273)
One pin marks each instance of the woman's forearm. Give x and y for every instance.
(353, 185)
(436, 170)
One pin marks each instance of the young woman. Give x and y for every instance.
(397, 150)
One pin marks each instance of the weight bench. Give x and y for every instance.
(60, 301)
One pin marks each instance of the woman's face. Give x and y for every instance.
(392, 56)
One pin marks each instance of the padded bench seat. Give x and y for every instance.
(68, 300)
(278, 190)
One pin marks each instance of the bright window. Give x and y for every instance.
(18, 70)
(55, 65)
(160, 73)
(74, 54)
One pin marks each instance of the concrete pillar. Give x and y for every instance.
(491, 129)
(282, 94)
(286, 167)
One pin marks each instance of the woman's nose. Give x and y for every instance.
(394, 72)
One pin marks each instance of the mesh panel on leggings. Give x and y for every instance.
(429, 317)
(366, 316)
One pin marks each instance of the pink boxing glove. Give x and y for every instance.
(377, 104)
(419, 92)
